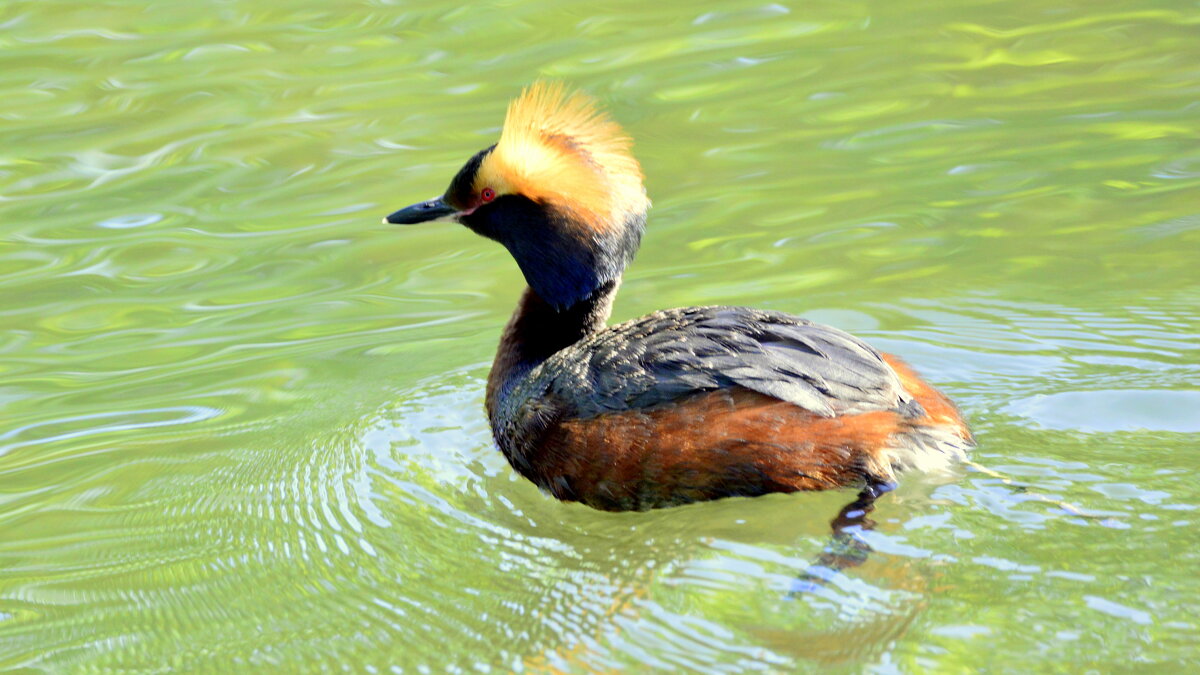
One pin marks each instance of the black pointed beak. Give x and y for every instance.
(421, 213)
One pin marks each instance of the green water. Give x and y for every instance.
(240, 419)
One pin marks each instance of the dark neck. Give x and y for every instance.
(536, 331)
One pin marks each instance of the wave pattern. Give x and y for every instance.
(240, 421)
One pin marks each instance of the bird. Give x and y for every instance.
(681, 405)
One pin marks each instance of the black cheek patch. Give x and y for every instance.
(560, 267)
(503, 218)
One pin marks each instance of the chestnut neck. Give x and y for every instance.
(536, 331)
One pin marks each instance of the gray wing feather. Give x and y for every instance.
(663, 356)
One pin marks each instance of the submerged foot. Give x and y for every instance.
(846, 547)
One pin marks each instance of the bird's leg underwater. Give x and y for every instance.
(845, 549)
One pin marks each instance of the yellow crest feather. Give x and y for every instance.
(557, 147)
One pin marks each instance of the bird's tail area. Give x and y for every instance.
(930, 448)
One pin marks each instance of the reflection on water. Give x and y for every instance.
(611, 590)
(240, 420)
(1113, 410)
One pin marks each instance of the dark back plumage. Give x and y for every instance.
(667, 356)
(672, 353)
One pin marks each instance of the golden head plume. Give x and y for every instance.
(557, 147)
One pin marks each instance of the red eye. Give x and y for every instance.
(488, 194)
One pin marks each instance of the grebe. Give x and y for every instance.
(681, 405)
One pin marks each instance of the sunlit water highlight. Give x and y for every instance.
(240, 420)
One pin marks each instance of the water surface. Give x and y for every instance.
(240, 420)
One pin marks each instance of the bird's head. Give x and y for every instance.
(560, 189)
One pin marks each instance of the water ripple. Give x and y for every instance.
(241, 424)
